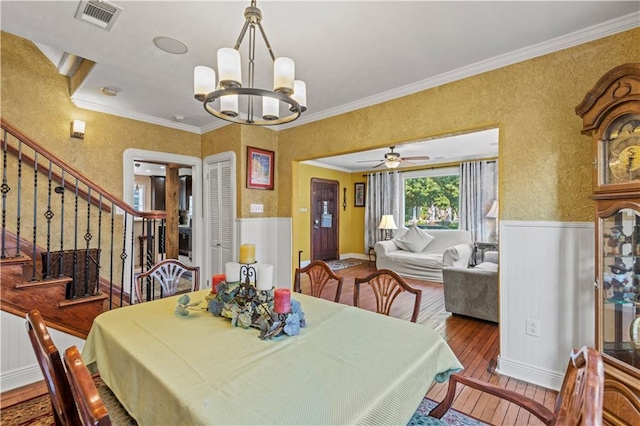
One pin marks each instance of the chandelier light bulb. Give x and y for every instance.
(229, 69)
(270, 108)
(204, 82)
(229, 105)
(300, 94)
(283, 75)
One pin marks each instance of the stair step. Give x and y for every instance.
(44, 282)
(80, 300)
(17, 260)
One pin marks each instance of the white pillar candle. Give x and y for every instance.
(232, 271)
(264, 281)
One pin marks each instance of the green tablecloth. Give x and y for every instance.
(348, 366)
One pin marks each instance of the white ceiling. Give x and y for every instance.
(351, 54)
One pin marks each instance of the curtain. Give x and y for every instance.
(478, 191)
(383, 197)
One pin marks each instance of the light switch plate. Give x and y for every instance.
(257, 208)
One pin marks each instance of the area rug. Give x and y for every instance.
(37, 412)
(337, 265)
(451, 417)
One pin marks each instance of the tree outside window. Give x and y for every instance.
(432, 202)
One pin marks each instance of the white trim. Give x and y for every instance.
(530, 373)
(326, 166)
(595, 32)
(132, 154)
(576, 38)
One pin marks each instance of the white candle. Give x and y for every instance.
(232, 271)
(264, 281)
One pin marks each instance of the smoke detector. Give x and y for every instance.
(98, 12)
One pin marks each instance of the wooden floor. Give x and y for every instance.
(475, 343)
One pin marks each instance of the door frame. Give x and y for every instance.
(130, 155)
(206, 250)
(336, 214)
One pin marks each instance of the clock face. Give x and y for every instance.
(623, 154)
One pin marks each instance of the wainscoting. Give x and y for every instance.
(546, 274)
(273, 240)
(19, 364)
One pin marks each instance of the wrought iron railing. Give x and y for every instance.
(72, 227)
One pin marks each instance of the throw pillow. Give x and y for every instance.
(414, 240)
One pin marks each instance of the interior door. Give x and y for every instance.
(324, 220)
(220, 190)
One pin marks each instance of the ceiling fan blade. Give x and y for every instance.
(420, 157)
(378, 165)
(368, 161)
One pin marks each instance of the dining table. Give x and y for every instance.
(347, 366)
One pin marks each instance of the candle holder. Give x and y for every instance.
(247, 271)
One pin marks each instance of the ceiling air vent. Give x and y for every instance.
(98, 13)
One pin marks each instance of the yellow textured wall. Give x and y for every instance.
(35, 99)
(348, 239)
(263, 138)
(545, 162)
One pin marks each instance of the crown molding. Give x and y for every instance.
(576, 38)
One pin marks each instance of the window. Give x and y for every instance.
(138, 197)
(431, 198)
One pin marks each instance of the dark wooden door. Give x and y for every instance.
(325, 227)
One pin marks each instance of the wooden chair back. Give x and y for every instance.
(387, 285)
(167, 274)
(64, 409)
(90, 406)
(319, 274)
(579, 401)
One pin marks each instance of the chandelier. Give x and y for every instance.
(263, 106)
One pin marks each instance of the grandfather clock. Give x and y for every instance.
(611, 115)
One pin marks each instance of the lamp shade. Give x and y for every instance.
(387, 222)
(392, 163)
(204, 81)
(300, 94)
(229, 70)
(229, 105)
(493, 212)
(270, 108)
(283, 75)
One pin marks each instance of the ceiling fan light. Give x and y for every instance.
(270, 108)
(229, 105)
(229, 69)
(204, 82)
(283, 75)
(392, 163)
(300, 94)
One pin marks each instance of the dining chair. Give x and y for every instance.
(319, 274)
(168, 273)
(90, 406)
(62, 403)
(387, 285)
(579, 401)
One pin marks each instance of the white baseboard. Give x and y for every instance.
(361, 256)
(20, 377)
(530, 373)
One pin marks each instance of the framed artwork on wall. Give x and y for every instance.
(260, 167)
(359, 194)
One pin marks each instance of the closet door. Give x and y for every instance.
(220, 214)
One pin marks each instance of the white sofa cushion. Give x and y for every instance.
(414, 240)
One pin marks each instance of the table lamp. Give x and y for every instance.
(493, 214)
(387, 223)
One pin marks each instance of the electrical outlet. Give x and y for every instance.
(532, 327)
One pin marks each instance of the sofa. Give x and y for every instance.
(473, 292)
(418, 253)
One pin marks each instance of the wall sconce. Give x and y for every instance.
(77, 129)
(344, 200)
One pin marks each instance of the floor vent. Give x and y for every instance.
(99, 13)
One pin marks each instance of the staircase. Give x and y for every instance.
(64, 250)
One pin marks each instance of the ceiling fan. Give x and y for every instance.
(393, 159)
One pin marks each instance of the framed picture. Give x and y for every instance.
(359, 194)
(260, 168)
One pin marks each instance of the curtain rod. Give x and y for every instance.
(416, 170)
